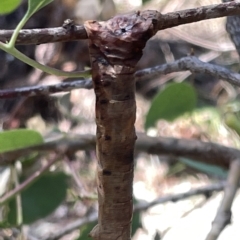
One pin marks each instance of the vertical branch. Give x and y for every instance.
(224, 214)
(115, 47)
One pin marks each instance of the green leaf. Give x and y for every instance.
(36, 5)
(173, 101)
(7, 6)
(41, 198)
(19, 138)
(206, 168)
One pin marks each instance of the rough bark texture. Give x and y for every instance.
(173, 19)
(191, 63)
(115, 47)
(207, 152)
(45, 89)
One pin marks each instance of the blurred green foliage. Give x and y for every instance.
(40, 199)
(19, 138)
(7, 6)
(171, 102)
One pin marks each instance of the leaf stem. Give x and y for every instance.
(18, 196)
(13, 39)
(17, 54)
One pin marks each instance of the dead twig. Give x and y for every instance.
(191, 63)
(206, 191)
(169, 20)
(223, 217)
(47, 89)
(208, 152)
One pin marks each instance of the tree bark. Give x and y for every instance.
(115, 47)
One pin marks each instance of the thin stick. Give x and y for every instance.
(11, 194)
(46, 90)
(223, 217)
(208, 152)
(169, 20)
(190, 63)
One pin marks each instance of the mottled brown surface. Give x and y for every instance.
(115, 48)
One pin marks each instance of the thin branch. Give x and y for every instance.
(223, 217)
(207, 191)
(208, 152)
(19, 210)
(46, 90)
(45, 35)
(85, 142)
(142, 206)
(11, 194)
(169, 20)
(177, 18)
(192, 64)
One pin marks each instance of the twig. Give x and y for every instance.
(208, 152)
(223, 217)
(85, 142)
(9, 195)
(207, 191)
(190, 63)
(18, 196)
(177, 18)
(45, 35)
(46, 90)
(19, 210)
(61, 34)
(142, 206)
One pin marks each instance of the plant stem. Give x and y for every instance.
(11, 194)
(18, 196)
(17, 54)
(13, 39)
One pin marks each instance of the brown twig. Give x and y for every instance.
(46, 90)
(208, 152)
(45, 35)
(207, 191)
(190, 63)
(177, 18)
(223, 217)
(61, 34)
